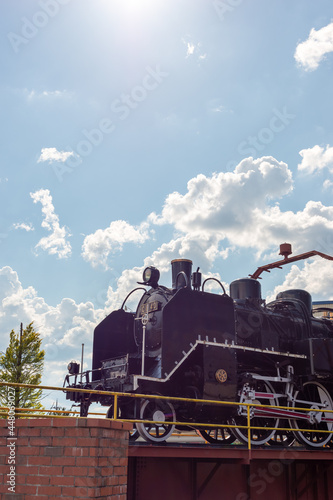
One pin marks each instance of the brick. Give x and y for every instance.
(76, 452)
(57, 432)
(29, 470)
(106, 491)
(20, 479)
(39, 460)
(102, 461)
(122, 480)
(20, 460)
(40, 480)
(113, 480)
(79, 432)
(46, 471)
(75, 471)
(120, 471)
(105, 443)
(62, 481)
(63, 460)
(40, 441)
(76, 492)
(50, 490)
(13, 496)
(30, 450)
(89, 441)
(29, 432)
(22, 469)
(64, 422)
(96, 452)
(99, 432)
(108, 471)
(63, 441)
(26, 489)
(81, 422)
(94, 493)
(37, 422)
(86, 461)
(88, 481)
(23, 441)
(54, 451)
(98, 422)
(115, 461)
(94, 471)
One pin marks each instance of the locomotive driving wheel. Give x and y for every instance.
(162, 414)
(259, 392)
(315, 396)
(217, 435)
(282, 438)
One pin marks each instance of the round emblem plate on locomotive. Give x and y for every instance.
(221, 375)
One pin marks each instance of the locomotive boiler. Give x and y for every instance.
(186, 342)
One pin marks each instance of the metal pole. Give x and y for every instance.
(144, 322)
(82, 362)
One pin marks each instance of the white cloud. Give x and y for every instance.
(55, 243)
(48, 94)
(316, 159)
(310, 53)
(52, 154)
(305, 277)
(239, 209)
(63, 328)
(193, 49)
(23, 225)
(225, 201)
(327, 184)
(214, 106)
(98, 246)
(190, 49)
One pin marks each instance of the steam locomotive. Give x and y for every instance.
(185, 342)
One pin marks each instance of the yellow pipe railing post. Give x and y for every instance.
(115, 406)
(248, 430)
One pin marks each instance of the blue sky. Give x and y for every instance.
(135, 132)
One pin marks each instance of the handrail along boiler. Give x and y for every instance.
(186, 342)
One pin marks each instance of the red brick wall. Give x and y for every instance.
(65, 458)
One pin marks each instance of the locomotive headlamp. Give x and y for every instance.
(73, 368)
(150, 276)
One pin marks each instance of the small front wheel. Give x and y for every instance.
(162, 414)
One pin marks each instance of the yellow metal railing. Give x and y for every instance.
(37, 413)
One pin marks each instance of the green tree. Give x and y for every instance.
(23, 363)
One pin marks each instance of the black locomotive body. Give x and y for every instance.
(189, 343)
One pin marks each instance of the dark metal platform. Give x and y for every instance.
(210, 472)
(234, 453)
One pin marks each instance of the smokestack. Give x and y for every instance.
(181, 273)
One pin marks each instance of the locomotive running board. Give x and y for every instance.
(208, 343)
